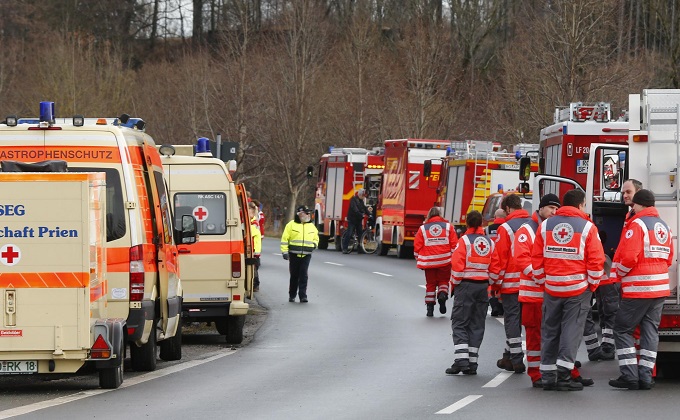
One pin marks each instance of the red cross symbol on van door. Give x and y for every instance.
(10, 254)
(200, 213)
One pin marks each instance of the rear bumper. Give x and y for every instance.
(137, 319)
(212, 310)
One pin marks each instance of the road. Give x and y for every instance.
(361, 348)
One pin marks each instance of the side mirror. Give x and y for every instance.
(427, 168)
(187, 234)
(524, 168)
(310, 171)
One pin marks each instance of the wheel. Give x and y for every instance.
(369, 243)
(338, 243)
(668, 365)
(112, 378)
(143, 359)
(171, 348)
(404, 251)
(383, 249)
(234, 333)
(323, 242)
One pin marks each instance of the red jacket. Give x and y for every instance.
(646, 252)
(567, 255)
(503, 271)
(472, 257)
(434, 243)
(529, 291)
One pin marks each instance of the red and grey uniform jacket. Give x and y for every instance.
(567, 256)
(434, 243)
(529, 291)
(503, 271)
(646, 252)
(472, 257)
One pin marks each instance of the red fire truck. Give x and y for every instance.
(342, 172)
(406, 192)
(472, 171)
(565, 145)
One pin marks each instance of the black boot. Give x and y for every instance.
(442, 302)
(430, 309)
(565, 383)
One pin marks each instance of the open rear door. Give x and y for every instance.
(247, 238)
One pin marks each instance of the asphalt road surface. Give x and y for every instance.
(361, 348)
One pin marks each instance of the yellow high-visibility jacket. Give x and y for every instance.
(299, 238)
(256, 235)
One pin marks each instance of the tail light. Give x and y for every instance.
(100, 349)
(236, 265)
(669, 321)
(136, 273)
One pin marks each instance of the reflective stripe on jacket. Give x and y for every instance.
(299, 238)
(434, 243)
(646, 252)
(567, 256)
(529, 291)
(503, 270)
(472, 257)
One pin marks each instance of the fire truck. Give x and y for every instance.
(343, 172)
(564, 146)
(652, 156)
(407, 194)
(473, 171)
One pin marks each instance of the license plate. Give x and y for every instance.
(18, 367)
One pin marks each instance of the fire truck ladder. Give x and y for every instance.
(664, 116)
(482, 177)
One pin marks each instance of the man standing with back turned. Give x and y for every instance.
(568, 259)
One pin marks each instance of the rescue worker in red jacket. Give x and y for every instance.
(470, 278)
(492, 231)
(646, 252)
(531, 294)
(432, 248)
(568, 259)
(504, 275)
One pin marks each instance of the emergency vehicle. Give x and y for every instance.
(342, 173)
(217, 271)
(651, 156)
(564, 146)
(144, 288)
(406, 193)
(473, 171)
(53, 279)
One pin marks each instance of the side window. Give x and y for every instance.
(115, 208)
(209, 210)
(165, 209)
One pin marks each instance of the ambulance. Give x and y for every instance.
(53, 278)
(217, 272)
(144, 288)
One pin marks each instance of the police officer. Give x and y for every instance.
(299, 239)
(504, 275)
(432, 247)
(470, 277)
(646, 252)
(568, 259)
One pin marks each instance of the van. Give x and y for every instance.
(144, 287)
(217, 272)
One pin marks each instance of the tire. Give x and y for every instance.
(112, 378)
(404, 252)
(383, 249)
(234, 333)
(351, 243)
(143, 359)
(668, 365)
(323, 242)
(171, 348)
(368, 242)
(338, 243)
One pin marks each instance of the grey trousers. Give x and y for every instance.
(468, 319)
(608, 297)
(647, 314)
(561, 331)
(513, 327)
(589, 332)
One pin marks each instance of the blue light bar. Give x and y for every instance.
(203, 145)
(47, 112)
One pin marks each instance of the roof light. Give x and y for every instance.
(47, 112)
(11, 120)
(167, 150)
(101, 121)
(203, 147)
(78, 120)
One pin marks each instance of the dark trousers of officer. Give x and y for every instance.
(608, 297)
(299, 264)
(256, 280)
(589, 331)
(563, 324)
(513, 327)
(647, 314)
(468, 318)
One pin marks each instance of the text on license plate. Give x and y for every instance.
(18, 367)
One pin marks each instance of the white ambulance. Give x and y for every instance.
(217, 271)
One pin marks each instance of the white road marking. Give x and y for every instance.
(18, 411)
(333, 263)
(459, 404)
(382, 274)
(422, 285)
(499, 379)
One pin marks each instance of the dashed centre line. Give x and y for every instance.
(333, 263)
(382, 274)
(459, 404)
(499, 379)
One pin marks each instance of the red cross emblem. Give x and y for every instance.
(660, 232)
(481, 246)
(200, 213)
(10, 254)
(563, 233)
